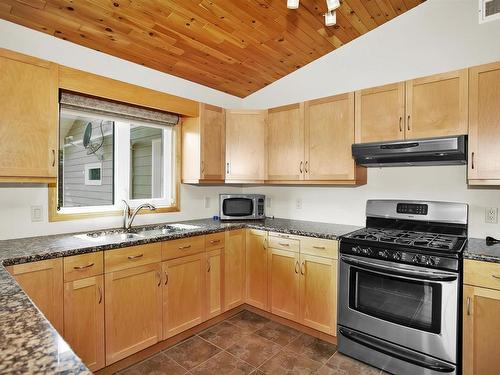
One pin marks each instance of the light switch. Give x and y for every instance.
(36, 213)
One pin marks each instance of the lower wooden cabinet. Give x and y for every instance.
(284, 283)
(318, 293)
(133, 310)
(183, 293)
(43, 283)
(214, 283)
(256, 268)
(234, 268)
(84, 319)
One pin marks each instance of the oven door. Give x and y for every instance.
(407, 305)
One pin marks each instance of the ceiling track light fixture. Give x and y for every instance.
(330, 15)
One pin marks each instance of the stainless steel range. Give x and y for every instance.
(399, 287)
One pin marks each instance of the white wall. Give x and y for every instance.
(346, 205)
(437, 36)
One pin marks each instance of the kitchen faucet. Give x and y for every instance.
(128, 218)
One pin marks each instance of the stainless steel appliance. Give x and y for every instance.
(431, 151)
(242, 206)
(399, 287)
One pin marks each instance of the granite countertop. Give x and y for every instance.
(30, 344)
(478, 250)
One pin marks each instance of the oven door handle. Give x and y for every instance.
(397, 352)
(417, 274)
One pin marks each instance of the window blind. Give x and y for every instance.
(73, 101)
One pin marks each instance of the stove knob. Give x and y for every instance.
(367, 251)
(397, 255)
(383, 253)
(356, 250)
(424, 259)
(433, 261)
(416, 259)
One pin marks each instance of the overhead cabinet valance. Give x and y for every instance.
(72, 101)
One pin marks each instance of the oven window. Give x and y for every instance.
(237, 207)
(415, 304)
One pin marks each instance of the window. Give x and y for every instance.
(108, 156)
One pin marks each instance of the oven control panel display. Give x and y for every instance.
(412, 208)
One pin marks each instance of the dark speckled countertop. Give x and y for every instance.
(478, 250)
(29, 344)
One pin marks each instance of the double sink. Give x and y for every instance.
(136, 233)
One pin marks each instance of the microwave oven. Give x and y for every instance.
(241, 206)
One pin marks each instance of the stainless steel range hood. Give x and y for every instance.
(431, 151)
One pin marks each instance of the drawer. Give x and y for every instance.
(483, 274)
(214, 241)
(284, 242)
(82, 266)
(129, 257)
(319, 247)
(182, 247)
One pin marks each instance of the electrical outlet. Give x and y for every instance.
(491, 215)
(298, 203)
(268, 202)
(207, 202)
(36, 213)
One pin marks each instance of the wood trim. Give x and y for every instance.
(28, 180)
(284, 108)
(103, 87)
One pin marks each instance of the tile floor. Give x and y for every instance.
(250, 344)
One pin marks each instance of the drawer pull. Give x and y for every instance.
(132, 257)
(100, 294)
(80, 268)
(319, 247)
(284, 244)
(468, 305)
(214, 241)
(284, 236)
(495, 276)
(184, 247)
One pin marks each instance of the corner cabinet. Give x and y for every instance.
(234, 269)
(256, 268)
(484, 129)
(29, 120)
(246, 150)
(203, 146)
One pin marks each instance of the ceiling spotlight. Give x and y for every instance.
(332, 4)
(330, 18)
(292, 4)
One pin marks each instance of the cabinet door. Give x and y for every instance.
(246, 146)
(43, 283)
(183, 294)
(84, 319)
(28, 124)
(284, 283)
(484, 131)
(329, 136)
(437, 105)
(380, 113)
(481, 331)
(318, 293)
(215, 283)
(234, 269)
(256, 267)
(212, 143)
(285, 139)
(133, 310)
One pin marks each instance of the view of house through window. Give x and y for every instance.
(106, 159)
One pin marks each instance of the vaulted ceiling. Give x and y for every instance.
(235, 46)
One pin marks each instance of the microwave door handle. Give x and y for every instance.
(393, 270)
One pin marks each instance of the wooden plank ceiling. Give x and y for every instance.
(235, 46)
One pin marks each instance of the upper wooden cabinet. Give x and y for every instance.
(484, 128)
(28, 121)
(380, 113)
(285, 140)
(437, 105)
(43, 283)
(246, 151)
(329, 134)
(203, 146)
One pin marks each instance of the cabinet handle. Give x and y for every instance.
(214, 241)
(400, 123)
(208, 266)
(408, 123)
(79, 268)
(202, 167)
(132, 257)
(284, 244)
(472, 162)
(227, 168)
(100, 294)
(468, 306)
(264, 243)
(297, 267)
(495, 276)
(158, 275)
(303, 268)
(184, 247)
(300, 166)
(166, 278)
(53, 158)
(319, 247)
(307, 167)
(284, 236)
